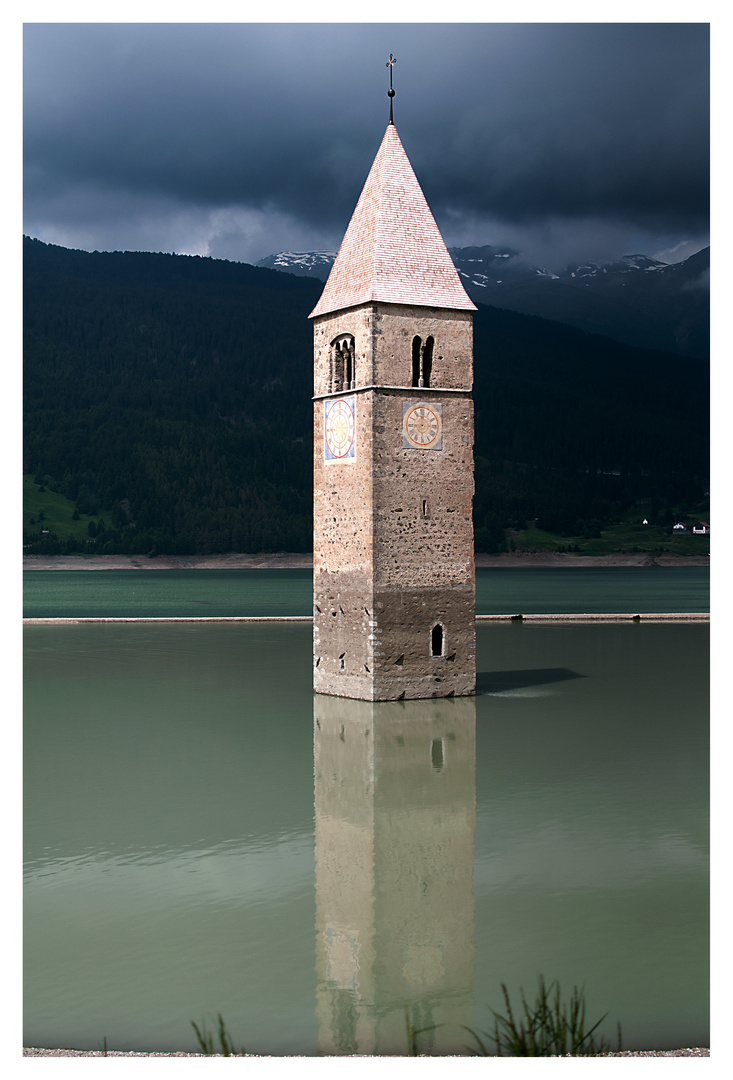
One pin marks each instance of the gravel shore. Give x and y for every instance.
(32, 1051)
(284, 561)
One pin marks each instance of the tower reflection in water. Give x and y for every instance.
(395, 813)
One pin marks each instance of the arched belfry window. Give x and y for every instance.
(436, 640)
(342, 364)
(422, 360)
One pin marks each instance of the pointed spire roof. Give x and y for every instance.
(392, 251)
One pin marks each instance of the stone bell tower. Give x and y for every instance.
(393, 564)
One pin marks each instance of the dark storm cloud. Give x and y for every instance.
(601, 120)
(225, 134)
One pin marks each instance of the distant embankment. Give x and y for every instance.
(284, 561)
(677, 616)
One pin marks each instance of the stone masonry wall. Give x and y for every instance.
(394, 326)
(359, 322)
(423, 499)
(383, 335)
(393, 535)
(343, 561)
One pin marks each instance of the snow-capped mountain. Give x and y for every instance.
(315, 264)
(635, 299)
(627, 264)
(483, 267)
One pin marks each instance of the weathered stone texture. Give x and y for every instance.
(423, 527)
(342, 502)
(393, 533)
(393, 564)
(377, 644)
(383, 334)
(394, 326)
(359, 322)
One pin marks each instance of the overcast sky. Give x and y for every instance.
(564, 141)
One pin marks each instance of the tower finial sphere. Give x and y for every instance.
(390, 93)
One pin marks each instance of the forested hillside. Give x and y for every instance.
(174, 393)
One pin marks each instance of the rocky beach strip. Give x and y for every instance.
(284, 561)
(33, 1051)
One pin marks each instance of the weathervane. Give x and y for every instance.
(390, 93)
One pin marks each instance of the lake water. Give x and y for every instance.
(500, 591)
(202, 836)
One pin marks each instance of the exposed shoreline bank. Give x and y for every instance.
(284, 561)
(32, 1051)
(671, 616)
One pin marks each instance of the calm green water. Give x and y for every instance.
(200, 837)
(109, 593)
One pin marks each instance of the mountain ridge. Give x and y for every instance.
(174, 393)
(637, 300)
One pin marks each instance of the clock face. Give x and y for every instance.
(422, 425)
(339, 429)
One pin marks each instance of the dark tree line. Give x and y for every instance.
(174, 394)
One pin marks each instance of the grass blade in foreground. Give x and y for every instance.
(548, 1028)
(205, 1040)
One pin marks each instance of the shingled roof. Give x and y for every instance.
(392, 251)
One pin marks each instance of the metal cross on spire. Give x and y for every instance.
(390, 93)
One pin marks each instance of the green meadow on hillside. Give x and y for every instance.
(625, 537)
(46, 509)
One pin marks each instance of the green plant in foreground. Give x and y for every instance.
(548, 1028)
(412, 1033)
(205, 1039)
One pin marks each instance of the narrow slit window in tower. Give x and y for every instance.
(427, 362)
(422, 360)
(436, 754)
(416, 343)
(436, 640)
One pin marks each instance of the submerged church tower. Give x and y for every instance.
(393, 563)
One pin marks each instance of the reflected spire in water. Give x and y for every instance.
(395, 812)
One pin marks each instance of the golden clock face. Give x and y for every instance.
(422, 425)
(339, 429)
